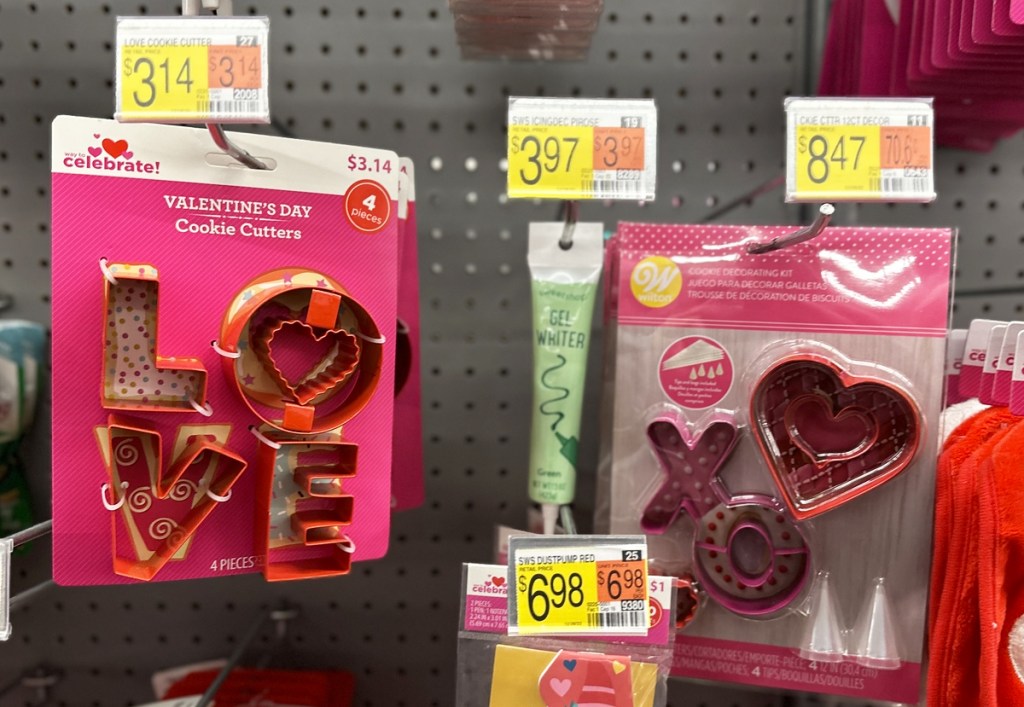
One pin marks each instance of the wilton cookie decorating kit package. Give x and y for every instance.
(223, 355)
(774, 435)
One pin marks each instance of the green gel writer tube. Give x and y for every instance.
(564, 287)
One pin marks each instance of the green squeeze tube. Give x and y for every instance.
(564, 288)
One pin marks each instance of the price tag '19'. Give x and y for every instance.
(192, 70)
(582, 148)
(859, 149)
(592, 585)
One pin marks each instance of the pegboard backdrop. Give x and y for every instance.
(387, 73)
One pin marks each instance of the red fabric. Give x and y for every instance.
(245, 687)
(953, 679)
(948, 461)
(1001, 568)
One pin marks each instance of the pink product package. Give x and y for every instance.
(407, 446)
(774, 436)
(195, 302)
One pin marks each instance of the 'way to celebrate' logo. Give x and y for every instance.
(110, 156)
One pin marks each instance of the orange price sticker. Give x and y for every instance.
(906, 147)
(621, 581)
(235, 67)
(619, 148)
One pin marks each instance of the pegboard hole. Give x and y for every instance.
(436, 163)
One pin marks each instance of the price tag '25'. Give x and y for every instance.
(578, 585)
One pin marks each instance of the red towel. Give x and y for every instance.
(954, 648)
(1001, 573)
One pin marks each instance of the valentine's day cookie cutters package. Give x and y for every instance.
(775, 436)
(223, 354)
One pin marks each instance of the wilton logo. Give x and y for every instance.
(110, 156)
(656, 281)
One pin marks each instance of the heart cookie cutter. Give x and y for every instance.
(304, 355)
(747, 555)
(829, 436)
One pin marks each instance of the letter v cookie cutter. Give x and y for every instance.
(747, 555)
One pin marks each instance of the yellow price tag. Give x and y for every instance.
(192, 70)
(164, 80)
(837, 158)
(548, 161)
(561, 595)
(863, 150)
(588, 589)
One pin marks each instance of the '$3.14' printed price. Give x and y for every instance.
(169, 79)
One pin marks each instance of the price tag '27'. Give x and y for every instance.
(859, 150)
(581, 149)
(578, 585)
(192, 70)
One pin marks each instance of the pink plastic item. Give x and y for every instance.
(748, 556)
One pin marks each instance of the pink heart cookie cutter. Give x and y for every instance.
(747, 555)
(829, 436)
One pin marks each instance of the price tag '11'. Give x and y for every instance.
(591, 585)
(561, 148)
(845, 149)
(192, 70)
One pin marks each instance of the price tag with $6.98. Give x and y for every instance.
(600, 589)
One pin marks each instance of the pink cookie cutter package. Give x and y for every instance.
(204, 315)
(407, 485)
(777, 422)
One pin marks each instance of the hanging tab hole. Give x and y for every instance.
(221, 159)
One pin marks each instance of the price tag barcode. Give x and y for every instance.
(582, 148)
(859, 150)
(578, 585)
(192, 70)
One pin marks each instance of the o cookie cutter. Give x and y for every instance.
(747, 555)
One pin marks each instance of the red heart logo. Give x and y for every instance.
(821, 458)
(114, 149)
(497, 581)
(302, 363)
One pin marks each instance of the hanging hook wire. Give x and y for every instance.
(804, 234)
(220, 138)
(191, 8)
(572, 215)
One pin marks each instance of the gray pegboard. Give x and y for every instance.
(389, 74)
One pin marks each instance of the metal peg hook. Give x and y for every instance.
(804, 234)
(229, 148)
(572, 215)
(191, 8)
